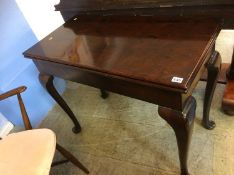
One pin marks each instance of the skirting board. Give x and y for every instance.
(5, 126)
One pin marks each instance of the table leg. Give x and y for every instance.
(104, 93)
(213, 69)
(47, 82)
(182, 124)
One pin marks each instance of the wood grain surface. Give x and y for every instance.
(138, 48)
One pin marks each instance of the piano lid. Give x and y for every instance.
(97, 5)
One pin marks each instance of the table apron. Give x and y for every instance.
(120, 85)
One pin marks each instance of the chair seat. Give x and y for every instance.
(27, 153)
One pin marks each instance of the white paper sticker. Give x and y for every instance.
(177, 80)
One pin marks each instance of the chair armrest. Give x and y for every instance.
(12, 92)
(24, 114)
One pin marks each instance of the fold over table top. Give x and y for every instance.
(163, 53)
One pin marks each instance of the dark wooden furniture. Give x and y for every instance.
(228, 97)
(112, 46)
(172, 10)
(138, 56)
(28, 126)
(163, 9)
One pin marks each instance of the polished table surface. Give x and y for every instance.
(137, 48)
(140, 57)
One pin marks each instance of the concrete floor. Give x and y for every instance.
(121, 135)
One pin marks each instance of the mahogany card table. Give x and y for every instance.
(140, 57)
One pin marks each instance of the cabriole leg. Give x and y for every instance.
(213, 69)
(182, 124)
(47, 82)
(104, 93)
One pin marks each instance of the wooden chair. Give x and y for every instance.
(30, 152)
